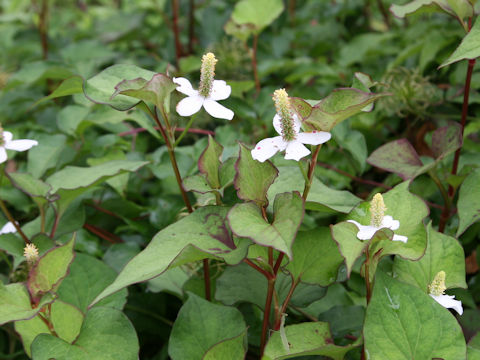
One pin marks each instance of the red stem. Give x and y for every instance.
(104, 234)
(206, 276)
(176, 34)
(266, 315)
(258, 268)
(55, 225)
(254, 63)
(285, 304)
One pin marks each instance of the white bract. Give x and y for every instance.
(379, 221)
(209, 92)
(8, 228)
(436, 291)
(287, 125)
(6, 143)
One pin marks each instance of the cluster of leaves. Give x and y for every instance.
(100, 198)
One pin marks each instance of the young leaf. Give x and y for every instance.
(72, 85)
(201, 326)
(16, 303)
(246, 220)
(443, 253)
(101, 87)
(253, 178)
(311, 338)
(404, 322)
(469, 48)
(469, 202)
(154, 91)
(50, 269)
(106, 334)
(200, 235)
(209, 162)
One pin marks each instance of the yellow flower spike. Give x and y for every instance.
(282, 106)
(437, 287)
(377, 210)
(207, 73)
(31, 253)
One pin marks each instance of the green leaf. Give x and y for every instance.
(50, 269)
(72, 85)
(16, 303)
(316, 258)
(46, 154)
(443, 253)
(66, 320)
(259, 13)
(70, 118)
(253, 178)
(400, 157)
(320, 197)
(456, 8)
(336, 107)
(201, 326)
(306, 339)
(473, 348)
(153, 91)
(228, 349)
(106, 334)
(403, 322)
(101, 87)
(72, 181)
(246, 220)
(171, 281)
(202, 234)
(469, 202)
(209, 162)
(87, 278)
(197, 183)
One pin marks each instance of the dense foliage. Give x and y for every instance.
(250, 179)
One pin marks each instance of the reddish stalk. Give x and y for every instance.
(254, 63)
(285, 304)
(384, 12)
(191, 26)
(55, 225)
(12, 220)
(266, 315)
(311, 171)
(43, 28)
(258, 268)
(176, 34)
(103, 234)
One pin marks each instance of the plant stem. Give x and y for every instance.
(368, 285)
(191, 26)
(285, 304)
(176, 34)
(384, 12)
(254, 63)
(185, 131)
(12, 220)
(258, 268)
(266, 315)
(43, 28)
(311, 171)
(446, 201)
(466, 95)
(302, 170)
(55, 225)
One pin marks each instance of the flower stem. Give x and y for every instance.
(311, 171)
(12, 220)
(176, 34)
(466, 95)
(254, 63)
(185, 131)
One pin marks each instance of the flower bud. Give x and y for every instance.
(437, 287)
(207, 72)
(282, 105)
(31, 253)
(377, 210)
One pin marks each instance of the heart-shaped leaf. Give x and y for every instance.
(201, 326)
(404, 322)
(106, 334)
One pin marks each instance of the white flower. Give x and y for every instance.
(294, 149)
(379, 221)
(209, 91)
(449, 302)
(437, 289)
(6, 143)
(366, 232)
(8, 228)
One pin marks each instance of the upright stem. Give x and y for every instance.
(176, 34)
(285, 304)
(291, 10)
(311, 171)
(12, 220)
(254, 63)
(191, 26)
(266, 315)
(43, 28)
(384, 12)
